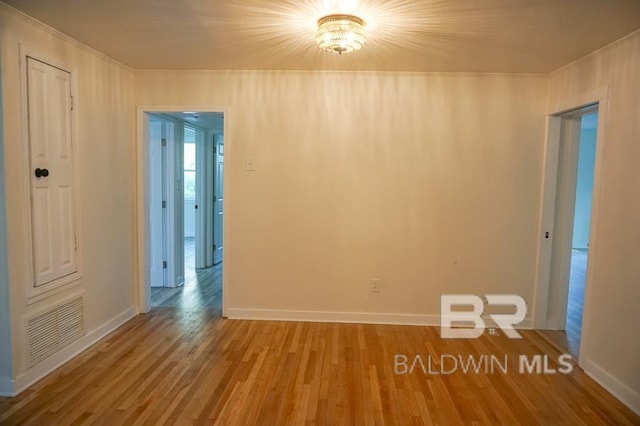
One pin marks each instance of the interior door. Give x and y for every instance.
(218, 199)
(562, 235)
(156, 203)
(201, 205)
(51, 161)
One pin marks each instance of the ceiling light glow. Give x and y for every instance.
(340, 33)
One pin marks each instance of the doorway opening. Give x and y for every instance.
(570, 227)
(189, 196)
(583, 196)
(184, 219)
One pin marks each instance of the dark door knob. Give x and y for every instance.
(41, 173)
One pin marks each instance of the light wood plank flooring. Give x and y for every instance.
(568, 340)
(172, 366)
(202, 288)
(183, 364)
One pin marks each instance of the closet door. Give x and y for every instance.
(52, 192)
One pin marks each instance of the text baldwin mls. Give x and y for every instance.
(481, 364)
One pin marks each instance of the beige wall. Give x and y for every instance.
(613, 341)
(104, 150)
(5, 317)
(429, 182)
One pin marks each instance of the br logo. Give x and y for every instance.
(505, 322)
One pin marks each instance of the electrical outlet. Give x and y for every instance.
(375, 286)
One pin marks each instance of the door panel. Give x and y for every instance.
(52, 190)
(203, 209)
(219, 200)
(43, 263)
(156, 211)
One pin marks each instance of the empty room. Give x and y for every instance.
(319, 212)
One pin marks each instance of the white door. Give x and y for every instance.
(562, 235)
(157, 203)
(201, 210)
(218, 199)
(51, 161)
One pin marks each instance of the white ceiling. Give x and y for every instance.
(403, 35)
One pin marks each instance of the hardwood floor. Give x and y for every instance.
(577, 281)
(202, 288)
(568, 340)
(184, 364)
(192, 367)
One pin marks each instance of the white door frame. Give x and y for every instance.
(142, 294)
(548, 207)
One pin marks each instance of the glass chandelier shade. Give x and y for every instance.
(340, 33)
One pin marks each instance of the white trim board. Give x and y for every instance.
(60, 358)
(347, 317)
(615, 387)
(328, 316)
(142, 296)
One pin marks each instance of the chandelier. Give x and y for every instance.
(340, 33)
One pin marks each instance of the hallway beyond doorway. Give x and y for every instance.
(577, 279)
(202, 287)
(568, 340)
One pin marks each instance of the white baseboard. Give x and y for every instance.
(6, 387)
(554, 324)
(329, 316)
(56, 360)
(344, 317)
(624, 393)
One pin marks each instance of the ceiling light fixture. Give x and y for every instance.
(340, 33)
